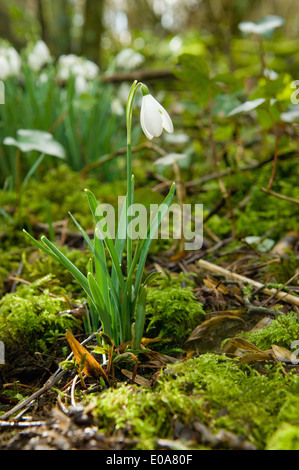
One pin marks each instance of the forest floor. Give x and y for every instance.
(217, 368)
(50, 408)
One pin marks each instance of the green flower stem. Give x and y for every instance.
(130, 188)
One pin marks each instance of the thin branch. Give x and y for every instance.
(280, 196)
(283, 296)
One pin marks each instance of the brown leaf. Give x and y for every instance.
(254, 354)
(210, 325)
(281, 354)
(257, 357)
(137, 378)
(213, 283)
(244, 345)
(91, 366)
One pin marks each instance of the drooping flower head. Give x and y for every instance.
(153, 117)
(39, 56)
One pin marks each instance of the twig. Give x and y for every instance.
(214, 175)
(275, 160)
(117, 153)
(73, 400)
(213, 147)
(15, 424)
(280, 196)
(231, 275)
(281, 288)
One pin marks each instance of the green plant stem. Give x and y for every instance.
(18, 182)
(275, 160)
(129, 201)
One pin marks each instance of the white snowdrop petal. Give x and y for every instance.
(148, 135)
(152, 117)
(167, 122)
(142, 123)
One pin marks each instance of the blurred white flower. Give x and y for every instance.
(4, 68)
(14, 60)
(39, 56)
(73, 65)
(129, 59)
(117, 107)
(91, 69)
(10, 62)
(271, 74)
(153, 117)
(81, 85)
(265, 26)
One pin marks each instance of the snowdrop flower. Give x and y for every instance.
(72, 64)
(10, 62)
(39, 56)
(117, 107)
(4, 68)
(129, 59)
(91, 69)
(81, 85)
(14, 60)
(153, 117)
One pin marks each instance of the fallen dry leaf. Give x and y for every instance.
(91, 366)
(281, 354)
(212, 324)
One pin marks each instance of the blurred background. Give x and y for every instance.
(68, 65)
(97, 28)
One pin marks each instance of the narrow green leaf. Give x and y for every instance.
(100, 304)
(40, 246)
(68, 264)
(84, 234)
(106, 237)
(140, 318)
(152, 229)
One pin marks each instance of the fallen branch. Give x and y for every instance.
(140, 75)
(237, 277)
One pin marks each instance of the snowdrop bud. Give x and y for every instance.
(153, 117)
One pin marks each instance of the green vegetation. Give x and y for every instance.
(172, 312)
(71, 140)
(282, 331)
(32, 318)
(212, 390)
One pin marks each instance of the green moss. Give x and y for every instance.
(9, 263)
(285, 438)
(172, 312)
(268, 214)
(38, 265)
(213, 389)
(262, 214)
(282, 332)
(30, 318)
(64, 189)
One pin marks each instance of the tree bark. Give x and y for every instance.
(93, 29)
